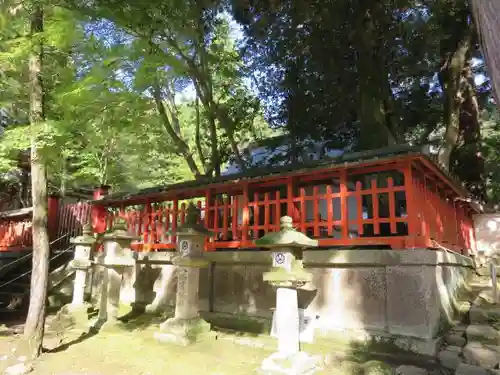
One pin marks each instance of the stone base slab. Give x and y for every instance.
(183, 331)
(295, 364)
(195, 262)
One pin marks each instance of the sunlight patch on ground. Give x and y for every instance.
(137, 353)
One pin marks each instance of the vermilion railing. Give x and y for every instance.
(15, 234)
(64, 221)
(442, 219)
(71, 219)
(404, 202)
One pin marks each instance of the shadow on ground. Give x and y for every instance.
(66, 345)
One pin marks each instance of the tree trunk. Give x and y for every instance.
(375, 96)
(181, 146)
(205, 67)
(216, 113)
(199, 147)
(455, 52)
(35, 321)
(486, 15)
(466, 159)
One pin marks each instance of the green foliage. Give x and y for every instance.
(102, 124)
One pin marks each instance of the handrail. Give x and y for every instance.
(27, 272)
(30, 253)
(67, 250)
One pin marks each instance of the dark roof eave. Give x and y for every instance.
(350, 159)
(16, 213)
(345, 160)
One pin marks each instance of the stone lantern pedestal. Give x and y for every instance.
(187, 326)
(117, 257)
(84, 246)
(287, 275)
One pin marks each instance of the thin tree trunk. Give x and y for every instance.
(35, 321)
(181, 146)
(214, 143)
(214, 112)
(199, 148)
(226, 123)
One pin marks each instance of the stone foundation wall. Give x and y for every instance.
(398, 293)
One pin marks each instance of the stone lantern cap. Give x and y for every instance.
(191, 227)
(86, 238)
(286, 237)
(119, 232)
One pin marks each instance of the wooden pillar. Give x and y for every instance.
(53, 216)
(413, 208)
(98, 212)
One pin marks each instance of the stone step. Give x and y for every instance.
(409, 370)
(486, 298)
(465, 369)
(483, 333)
(486, 270)
(456, 339)
(477, 285)
(450, 357)
(484, 314)
(479, 354)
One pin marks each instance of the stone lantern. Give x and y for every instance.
(287, 275)
(187, 326)
(81, 263)
(84, 246)
(118, 256)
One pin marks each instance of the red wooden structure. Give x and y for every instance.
(15, 230)
(399, 200)
(65, 221)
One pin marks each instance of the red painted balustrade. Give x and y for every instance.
(15, 234)
(398, 202)
(64, 221)
(70, 221)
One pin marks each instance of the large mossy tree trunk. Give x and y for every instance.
(455, 54)
(377, 123)
(466, 161)
(35, 321)
(460, 150)
(487, 18)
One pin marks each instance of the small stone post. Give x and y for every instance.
(287, 275)
(117, 257)
(187, 326)
(494, 290)
(84, 245)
